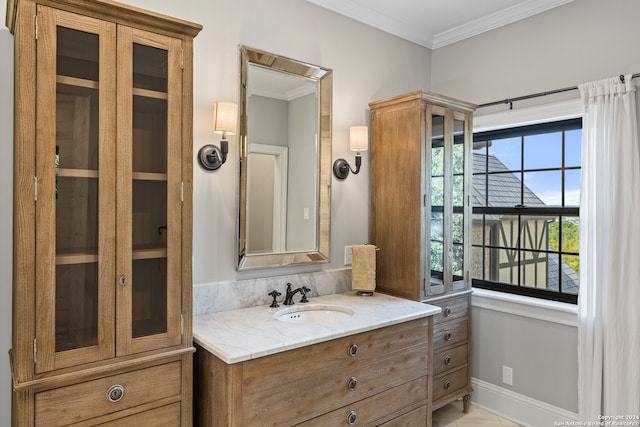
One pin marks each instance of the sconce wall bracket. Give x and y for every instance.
(341, 167)
(211, 157)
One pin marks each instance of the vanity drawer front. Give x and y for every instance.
(411, 396)
(450, 383)
(450, 333)
(83, 401)
(298, 395)
(416, 418)
(451, 358)
(452, 309)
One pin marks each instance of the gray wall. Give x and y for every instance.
(368, 65)
(582, 41)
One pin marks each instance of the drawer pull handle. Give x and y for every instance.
(447, 360)
(353, 350)
(352, 383)
(115, 393)
(447, 336)
(447, 385)
(352, 417)
(447, 311)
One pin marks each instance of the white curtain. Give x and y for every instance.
(609, 300)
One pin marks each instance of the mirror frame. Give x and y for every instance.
(324, 78)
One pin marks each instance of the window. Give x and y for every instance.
(526, 197)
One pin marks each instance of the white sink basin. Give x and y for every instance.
(313, 313)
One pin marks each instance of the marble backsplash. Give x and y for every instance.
(222, 296)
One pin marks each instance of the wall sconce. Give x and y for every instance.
(358, 141)
(225, 117)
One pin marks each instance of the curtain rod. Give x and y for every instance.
(510, 101)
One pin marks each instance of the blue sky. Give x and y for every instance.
(542, 152)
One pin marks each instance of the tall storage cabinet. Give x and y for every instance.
(421, 221)
(102, 214)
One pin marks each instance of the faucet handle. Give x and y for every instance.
(275, 294)
(303, 291)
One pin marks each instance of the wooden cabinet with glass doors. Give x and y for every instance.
(102, 214)
(421, 221)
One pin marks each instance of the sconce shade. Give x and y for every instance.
(359, 138)
(225, 116)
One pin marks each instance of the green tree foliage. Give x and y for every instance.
(570, 240)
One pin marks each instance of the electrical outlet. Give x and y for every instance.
(347, 255)
(507, 375)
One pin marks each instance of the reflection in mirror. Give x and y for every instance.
(285, 156)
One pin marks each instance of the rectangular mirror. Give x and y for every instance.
(285, 161)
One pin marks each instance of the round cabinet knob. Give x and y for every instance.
(447, 360)
(352, 417)
(447, 336)
(115, 393)
(446, 311)
(447, 385)
(352, 383)
(353, 350)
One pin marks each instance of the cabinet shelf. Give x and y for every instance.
(149, 176)
(78, 173)
(150, 253)
(77, 82)
(76, 258)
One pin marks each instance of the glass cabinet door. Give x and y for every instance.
(448, 143)
(149, 191)
(74, 191)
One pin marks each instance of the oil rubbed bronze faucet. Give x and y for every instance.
(288, 299)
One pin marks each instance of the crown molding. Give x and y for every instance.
(387, 23)
(494, 20)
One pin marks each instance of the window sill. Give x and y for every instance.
(518, 305)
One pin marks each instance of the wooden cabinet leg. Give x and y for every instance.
(465, 403)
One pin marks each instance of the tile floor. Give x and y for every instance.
(452, 416)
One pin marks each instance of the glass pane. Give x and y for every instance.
(149, 214)
(479, 231)
(457, 261)
(479, 187)
(437, 247)
(570, 268)
(503, 265)
(573, 148)
(479, 266)
(543, 188)
(543, 151)
(437, 191)
(503, 230)
(150, 197)
(536, 232)
(572, 187)
(458, 190)
(77, 216)
(76, 189)
(150, 68)
(149, 297)
(78, 54)
(76, 306)
(533, 269)
(149, 135)
(571, 236)
(77, 127)
(504, 190)
(505, 154)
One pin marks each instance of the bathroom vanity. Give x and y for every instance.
(257, 366)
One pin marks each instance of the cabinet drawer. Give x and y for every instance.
(402, 398)
(450, 333)
(451, 358)
(165, 416)
(452, 309)
(450, 383)
(298, 395)
(87, 400)
(415, 418)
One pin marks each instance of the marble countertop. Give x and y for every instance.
(248, 333)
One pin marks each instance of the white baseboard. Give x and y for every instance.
(517, 407)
